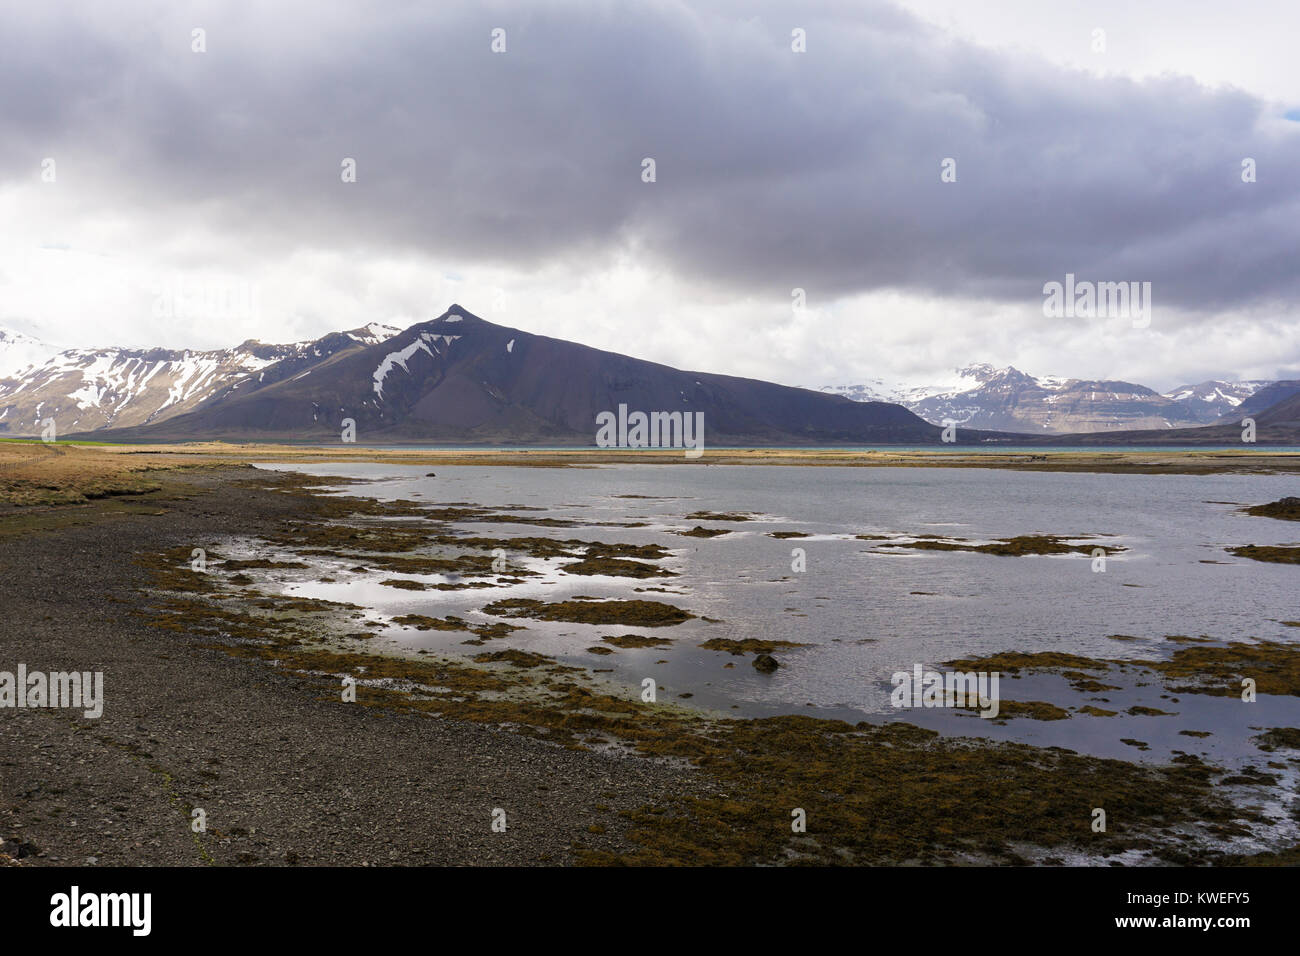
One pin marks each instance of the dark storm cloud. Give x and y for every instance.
(775, 169)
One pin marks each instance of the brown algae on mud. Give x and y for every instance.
(616, 567)
(1031, 709)
(632, 613)
(1279, 738)
(634, 641)
(1014, 661)
(452, 623)
(901, 794)
(749, 645)
(1273, 554)
(702, 532)
(719, 516)
(1285, 509)
(1194, 667)
(514, 657)
(1019, 546)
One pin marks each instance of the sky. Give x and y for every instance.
(841, 191)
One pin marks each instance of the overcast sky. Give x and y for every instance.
(512, 182)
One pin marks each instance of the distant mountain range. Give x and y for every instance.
(1275, 424)
(85, 390)
(1007, 399)
(460, 379)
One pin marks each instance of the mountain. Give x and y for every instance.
(1278, 424)
(1210, 401)
(1262, 400)
(902, 393)
(459, 378)
(1007, 399)
(1282, 416)
(19, 352)
(88, 389)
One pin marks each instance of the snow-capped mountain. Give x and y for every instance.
(903, 393)
(1007, 399)
(1264, 398)
(1211, 400)
(88, 389)
(19, 352)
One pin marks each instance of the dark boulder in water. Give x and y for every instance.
(766, 663)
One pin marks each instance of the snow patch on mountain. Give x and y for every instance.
(425, 341)
(373, 333)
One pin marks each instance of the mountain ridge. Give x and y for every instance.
(983, 396)
(85, 390)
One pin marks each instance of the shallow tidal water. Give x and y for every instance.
(867, 611)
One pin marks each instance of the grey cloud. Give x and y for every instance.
(775, 169)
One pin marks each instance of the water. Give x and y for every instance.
(865, 611)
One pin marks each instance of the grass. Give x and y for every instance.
(48, 474)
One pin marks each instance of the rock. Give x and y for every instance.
(19, 849)
(766, 663)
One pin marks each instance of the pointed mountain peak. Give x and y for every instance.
(457, 314)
